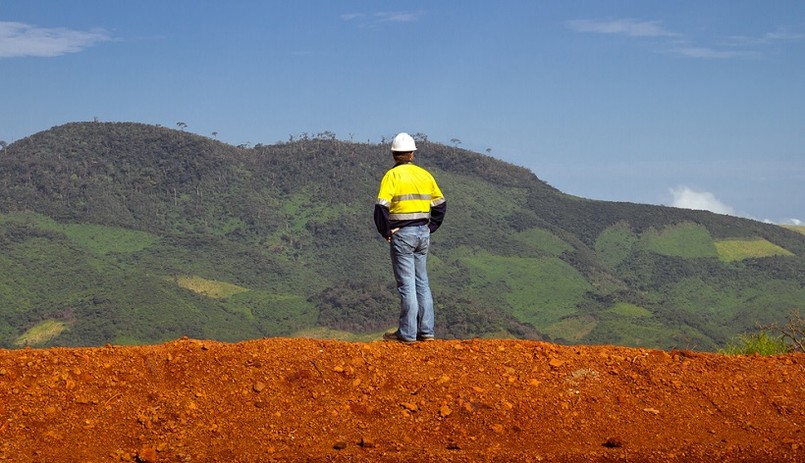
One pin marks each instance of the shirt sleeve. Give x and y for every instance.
(382, 221)
(382, 205)
(437, 216)
(438, 208)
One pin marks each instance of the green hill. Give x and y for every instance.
(131, 233)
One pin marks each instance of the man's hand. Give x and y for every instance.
(393, 231)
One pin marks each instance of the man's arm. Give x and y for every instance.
(437, 215)
(382, 221)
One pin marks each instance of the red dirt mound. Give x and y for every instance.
(443, 401)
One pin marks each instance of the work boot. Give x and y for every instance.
(395, 336)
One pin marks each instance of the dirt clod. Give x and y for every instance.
(147, 455)
(614, 443)
(367, 442)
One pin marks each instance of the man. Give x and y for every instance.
(408, 209)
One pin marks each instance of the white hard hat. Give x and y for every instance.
(403, 143)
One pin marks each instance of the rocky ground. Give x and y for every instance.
(443, 401)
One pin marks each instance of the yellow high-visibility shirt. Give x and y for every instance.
(409, 192)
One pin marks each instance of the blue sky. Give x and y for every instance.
(689, 103)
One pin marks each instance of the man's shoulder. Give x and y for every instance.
(408, 171)
(417, 168)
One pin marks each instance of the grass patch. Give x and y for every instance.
(705, 298)
(210, 288)
(29, 218)
(103, 240)
(41, 333)
(541, 291)
(276, 314)
(572, 329)
(98, 239)
(614, 245)
(737, 249)
(544, 240)
(686, 240)
(796, 228)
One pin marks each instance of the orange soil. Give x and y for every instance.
(443, 401)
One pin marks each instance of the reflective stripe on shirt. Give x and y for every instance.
(411, 196)
(410, 216)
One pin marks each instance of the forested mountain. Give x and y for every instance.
(132, 233)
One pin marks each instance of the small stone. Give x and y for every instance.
(793, 443)
(259, 386)
(613, 443)
(660, 355)
(453, 445)
(556, 363)
(445, 411)
(367, 442)
(147, 455)
(340, 445)
(409, 406)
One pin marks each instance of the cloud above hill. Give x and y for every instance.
(687, 198)
(19, 39)
(790, 221)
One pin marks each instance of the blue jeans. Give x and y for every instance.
(409, 254)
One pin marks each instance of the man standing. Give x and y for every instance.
(408, 209)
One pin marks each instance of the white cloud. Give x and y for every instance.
(711, 53)
(19, 39)
(383, 17)
(352, 16)
(630, 27)
(732, 47)
(399, 17)
(768, 38)
(795, 222)
(687, 198)
(785, 35)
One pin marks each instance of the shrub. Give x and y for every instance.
(793, 332)
(761, 343)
